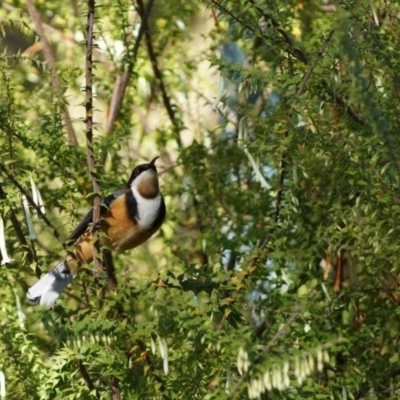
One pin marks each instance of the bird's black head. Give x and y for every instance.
(143, 167)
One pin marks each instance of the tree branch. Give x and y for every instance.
(123, 80)
(159, 76)
(31, 253)
(89, 132)
(340, 102)
(86, 377)
(300, 55)
(116, 394)
(33, 204)
(310, 70)
(297, 53)
(110, 269)
(51, 62)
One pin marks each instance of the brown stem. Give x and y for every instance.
(51, 62)
(31, 254)
(291, 50)
(89, 131)
(341, 102)
(310, 70)
(110, 269)
(56, 234)
(338, 272)
(300, 55)
(123, 80)
(86, 377)
(159, 76)
(32, 203)
(116, 394)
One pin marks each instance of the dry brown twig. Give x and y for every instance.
(98, 254)
(51, 62)
(159, 76)
(123, 79)
(89, 131)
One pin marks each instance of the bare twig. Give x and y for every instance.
(106, 257)
(86, 377)
(278, 204)
(159, 76)
(97, 54)
(295, 52)
(310, 70)
(31, 253)
(51, 62)
(116, 394)
(89, 132)
(110, 269)
(32, 203)
(291, 50)
(123, 80)
(299, 54)
(30, 247)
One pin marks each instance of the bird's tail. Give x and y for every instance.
(48, 288)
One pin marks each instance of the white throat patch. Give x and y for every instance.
(148, 209)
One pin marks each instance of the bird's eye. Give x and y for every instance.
(137, 172)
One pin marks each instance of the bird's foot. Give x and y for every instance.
(95, 225)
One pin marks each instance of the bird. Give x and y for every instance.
(129, 217)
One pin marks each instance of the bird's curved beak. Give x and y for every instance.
(154, 160)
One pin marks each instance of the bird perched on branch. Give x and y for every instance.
(128, 218)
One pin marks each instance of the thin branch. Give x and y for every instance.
(89, 131)
(282, 167)
(110, 269)
(32, 203)
(281, 331)
(31, 254)
(56, 234)
(51, 62)
(159, 76)
(116, 394)
(310, 70)
(340, 102)
(30, 247)
(86, 377)
(299, 54)
(97, 54)
(123, 80)
(278, 205)
(233, 16)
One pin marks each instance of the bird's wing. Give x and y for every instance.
(88, 218)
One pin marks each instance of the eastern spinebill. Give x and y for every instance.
(128, 218)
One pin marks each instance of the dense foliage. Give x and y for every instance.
(275, 274)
